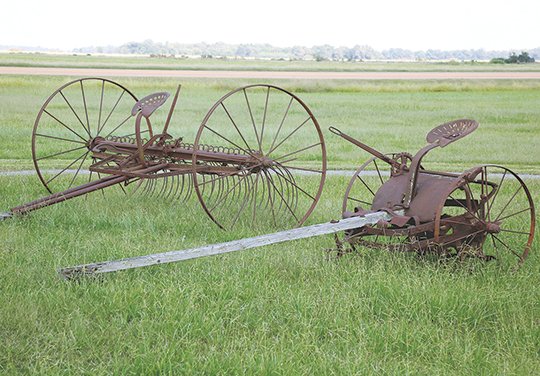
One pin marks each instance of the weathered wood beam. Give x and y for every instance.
(220, 248)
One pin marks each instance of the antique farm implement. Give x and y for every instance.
(485, 212)
(244, 165)
(392, 202)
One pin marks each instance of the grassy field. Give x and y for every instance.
(144, 62)
(283, 309)
(390, 116)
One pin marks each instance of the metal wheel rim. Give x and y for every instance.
(197, 145)
(42, 110)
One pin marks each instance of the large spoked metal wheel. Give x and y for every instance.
(277, 130)
(499, 212)
(68, 122)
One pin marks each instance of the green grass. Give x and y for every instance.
(282, 309)
(390, 116)
(144, 62)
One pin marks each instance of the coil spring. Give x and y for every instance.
(210, 148)
(125, 139)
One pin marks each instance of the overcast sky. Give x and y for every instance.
(411, 24)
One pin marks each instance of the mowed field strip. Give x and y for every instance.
(40, 71)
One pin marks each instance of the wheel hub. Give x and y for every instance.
(493, 227)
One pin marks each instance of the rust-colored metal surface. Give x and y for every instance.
(243, 166)
(486, 212)
(248, 160)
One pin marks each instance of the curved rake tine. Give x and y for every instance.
(255, 196)
(295, 187)
(153, 189)
(212, 187)
(172, 187)
(180, 189)
(275, 190)
(164, 185)
(189, 188)
(270, 199)
(245, 201)
(285, 202)
(289, 189)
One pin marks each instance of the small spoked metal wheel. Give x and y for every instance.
(279, 135)
(67, 124)
(496, 212)
(359, 196)
(367, 180)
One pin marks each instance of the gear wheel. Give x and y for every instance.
(403, 160)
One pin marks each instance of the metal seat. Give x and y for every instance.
(452, 131)
(150, 103)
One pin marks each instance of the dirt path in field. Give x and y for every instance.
(36, 71)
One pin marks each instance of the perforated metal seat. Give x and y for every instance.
(451, 131)
(150, 103)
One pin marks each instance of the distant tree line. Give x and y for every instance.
(319, 53)
(522, 58)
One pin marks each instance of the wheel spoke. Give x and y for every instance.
(219, 177)
(226, 139)
(293, 183)
(281, 124)
(516, 213)
(264, 115)
(515, 232)
(252, 120)
(447, 220)
(360, 201)
(65, 126)
(100, 108)
(464, 207)
(508, 203)
(235, 126)
(298, 151)
(65, 168)
(59, 138)
(85, 108)
(288, 136)
(74, 113)
(78, 169)
(378, 171)
(283, 163)
(506, 246)
(365, 184)
(484, 191)
(60, 153)
(496, 193)
(302, 169)
(118, 126)
(109, 115)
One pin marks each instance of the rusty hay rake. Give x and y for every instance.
(243, 165)
(246, 164)
(397, 205)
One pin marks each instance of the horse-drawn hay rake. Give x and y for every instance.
(241, 165)
(247, 163)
